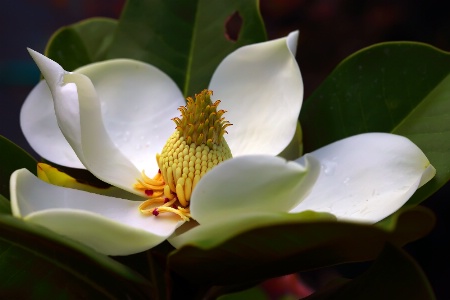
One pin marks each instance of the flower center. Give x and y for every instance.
(196, 146)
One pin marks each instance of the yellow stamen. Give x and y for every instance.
(150, 202)
(196, 146)
(183, 213)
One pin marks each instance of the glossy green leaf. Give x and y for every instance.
(393, 275)
(5, 206)
(12, 157)
(185, 39)
(81, 43)
(402, 88)
(292, 246)
(36, 263)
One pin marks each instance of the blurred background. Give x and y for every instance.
(330, 30)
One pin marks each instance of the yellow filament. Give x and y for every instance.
(150, 202)
(179, 211)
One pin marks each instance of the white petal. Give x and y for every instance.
(256, 183)
(137, 100)
(261, 88)
(38, 123)
(111, 226)
(79, 114)
(65, 100)
(367, 177)
(79, 117)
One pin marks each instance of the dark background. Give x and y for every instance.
(330, 30)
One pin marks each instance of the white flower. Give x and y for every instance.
(363, 178)
(115, 118)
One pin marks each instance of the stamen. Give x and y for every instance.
(150, 202)
(184, 214)
(196, 146)
(180, 192)
(153, 181)
(168, 193)
(170, 202)
(170, 179)
(188, 188)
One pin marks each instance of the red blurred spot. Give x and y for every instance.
(285, 286)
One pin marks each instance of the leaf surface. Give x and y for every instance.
(12, 157)
(397, 87)
(187, 39)
(81, 43)
(53, 267)
(393, 275)
(292, 246)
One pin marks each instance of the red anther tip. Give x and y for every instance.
(159, 171)
(155, 212)
(149, 192)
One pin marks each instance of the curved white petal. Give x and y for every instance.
(367, 177)
(80, 112)
(261, 88)
(111, 226)
(65, 100)
(39, 125)
(256, 183)
(138, 103)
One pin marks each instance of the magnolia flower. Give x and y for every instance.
(113, 117)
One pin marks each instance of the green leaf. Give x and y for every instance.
(394, 275)
(12, 158)
(36, 263)
(185, 39)
(81, 43)
(292, 246)
(5, 206)
(402, 88)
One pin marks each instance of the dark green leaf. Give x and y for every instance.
(254, 293)
(185, 39)
(293, 246)
(5, 206)
(402, 88)
(151, 264)
(12, 157)
(36, 263)
(81, 43)
(394, 275)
